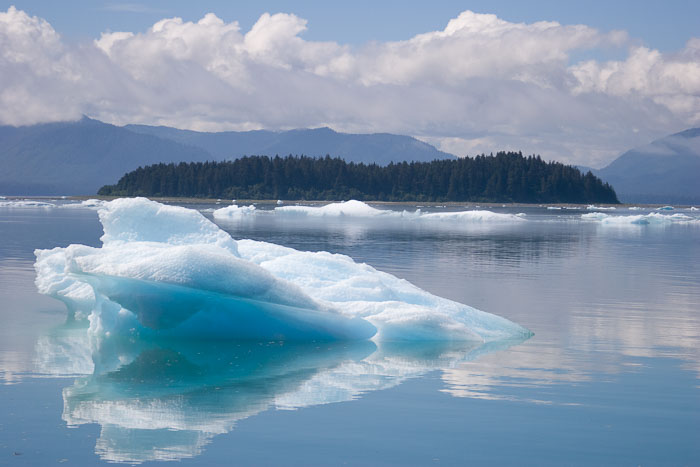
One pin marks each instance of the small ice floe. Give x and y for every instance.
(86, 204)
(26, 204)
(652, 218)
(234, 212)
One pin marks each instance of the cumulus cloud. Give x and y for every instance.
(671, 80)
(480, 84)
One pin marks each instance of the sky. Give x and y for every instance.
(574, 82)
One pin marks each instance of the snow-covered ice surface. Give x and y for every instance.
(168, 271)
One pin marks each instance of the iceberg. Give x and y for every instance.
(234, 212)
(473, 216)
(593, 207)
(652, 218)
(26, 204)
(167, 271)
(359, 210)
(352, 208)
(86, 204)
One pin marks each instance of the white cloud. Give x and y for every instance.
(480, 82)
(671, 80)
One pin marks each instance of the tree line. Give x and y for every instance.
(505, 177)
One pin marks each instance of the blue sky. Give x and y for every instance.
(663, 25)
(573, 81)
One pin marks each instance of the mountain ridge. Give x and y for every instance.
(665, 171)
(79, 157)
(380, 148)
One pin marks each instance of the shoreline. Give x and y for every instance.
(186, 200)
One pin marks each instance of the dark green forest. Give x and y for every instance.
(505, 177)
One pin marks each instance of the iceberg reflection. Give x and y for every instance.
(167, 399)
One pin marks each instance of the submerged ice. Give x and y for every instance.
(168, 271)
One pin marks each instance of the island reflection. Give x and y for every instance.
(167, 399)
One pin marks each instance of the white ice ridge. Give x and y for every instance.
(358, 209)
(168, 271)
(86, 204)
(653, 218)
(26, 204)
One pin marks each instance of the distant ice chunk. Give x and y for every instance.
(234, 212)
(554, 208)
(593, 207)
(634, 208)
(665, 208)
(647, 219)
(693, 208)
(168, 271)
(473, 216)
(352, 208)
(26, 204)
(86, 204)
(358, 209)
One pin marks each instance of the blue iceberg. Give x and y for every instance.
(167, 271)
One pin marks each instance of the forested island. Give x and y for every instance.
(505, 177)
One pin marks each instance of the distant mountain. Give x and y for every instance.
(381, 148)
(77, 158)
(666, 171)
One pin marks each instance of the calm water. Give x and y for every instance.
(610, 376)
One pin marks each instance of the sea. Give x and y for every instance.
(610, 376)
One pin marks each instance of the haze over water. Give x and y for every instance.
(609, 377)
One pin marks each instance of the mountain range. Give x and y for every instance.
(77, 158)
(665, 171)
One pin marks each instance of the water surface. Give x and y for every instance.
(610, 376)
